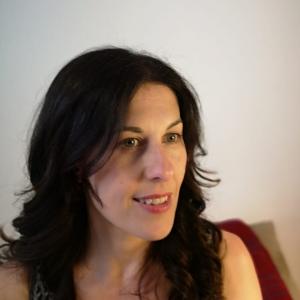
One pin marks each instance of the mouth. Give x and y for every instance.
(153, 200)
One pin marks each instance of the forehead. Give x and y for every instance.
(153, 100)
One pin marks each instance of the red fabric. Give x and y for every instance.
(272, 286)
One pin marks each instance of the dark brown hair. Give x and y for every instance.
(83, 110)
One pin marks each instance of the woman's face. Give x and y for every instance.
(139, 185)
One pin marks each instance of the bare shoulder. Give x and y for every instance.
(240, 279)
(13, 282)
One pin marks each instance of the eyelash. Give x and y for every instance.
(139, 142)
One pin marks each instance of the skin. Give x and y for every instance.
(150, 159)
(239, 275)
(240, 280)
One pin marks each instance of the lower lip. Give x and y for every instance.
(156, 209)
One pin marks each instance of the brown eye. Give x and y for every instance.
(172, 138)
(130, 143)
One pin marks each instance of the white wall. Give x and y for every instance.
(243, 57)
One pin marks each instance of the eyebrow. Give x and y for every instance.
(139, 130)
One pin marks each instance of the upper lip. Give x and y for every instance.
(153, 196)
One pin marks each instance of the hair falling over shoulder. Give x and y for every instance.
(74, 120)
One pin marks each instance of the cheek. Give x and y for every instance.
(112, 185)
(179, 163)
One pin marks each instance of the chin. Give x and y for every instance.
(156, 235)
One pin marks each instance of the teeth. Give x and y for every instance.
(155, 201)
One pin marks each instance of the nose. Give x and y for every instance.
(157, 164)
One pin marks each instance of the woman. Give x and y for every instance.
(114, 209)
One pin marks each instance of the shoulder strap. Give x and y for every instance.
(38, 288)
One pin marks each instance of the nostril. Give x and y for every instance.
(156, 178)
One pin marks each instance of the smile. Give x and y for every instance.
(153, 201)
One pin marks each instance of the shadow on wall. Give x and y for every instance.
(267, 235)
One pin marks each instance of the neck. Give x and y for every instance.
(112, 255)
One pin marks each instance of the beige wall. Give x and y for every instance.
(243, 57)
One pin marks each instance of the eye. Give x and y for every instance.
(172, 138)
(130, 143)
